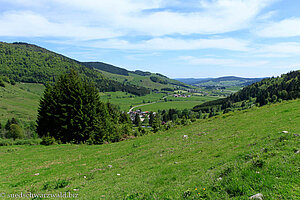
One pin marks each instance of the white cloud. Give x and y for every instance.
(131, 17)
(222, 62)
(28, 24)
(283, 49)
(285, 28)
(268, 15)
(167, 43)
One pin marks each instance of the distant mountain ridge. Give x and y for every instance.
(221, 81)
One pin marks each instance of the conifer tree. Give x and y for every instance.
(70, 110)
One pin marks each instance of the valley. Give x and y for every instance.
(153, 137)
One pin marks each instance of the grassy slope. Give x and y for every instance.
(125, 100)
(178, 103)
(20, 101)
(247, 149)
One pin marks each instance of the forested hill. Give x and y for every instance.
(24, 62)
(269, 90)
(154, 81)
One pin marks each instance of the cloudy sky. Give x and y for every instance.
(178, 38)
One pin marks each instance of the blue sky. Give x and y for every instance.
(191, 38)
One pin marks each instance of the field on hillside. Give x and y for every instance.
(234, 156)
(177, 103)
(20, 101)
(125, 100)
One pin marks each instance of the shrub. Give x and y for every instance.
(15, 132)
(2, 83)
(48, 140)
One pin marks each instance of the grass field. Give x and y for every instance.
(20, 101)
(125, 100)
(180, 105)
(231, 156)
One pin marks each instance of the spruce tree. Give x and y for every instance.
(137, 120)
(69, 109)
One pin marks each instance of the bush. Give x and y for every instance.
(48, 140)
(9, 142)
(2, 83)
(15, 132)
(6, 142)
(12, 82)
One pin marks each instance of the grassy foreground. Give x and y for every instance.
(232, 156)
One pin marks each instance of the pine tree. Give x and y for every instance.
(70, 110)
(156, 123)
(137, 120)
(151, 118)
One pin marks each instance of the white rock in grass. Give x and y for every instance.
(258, 196)
(37, 174)
(185, 136)
(76, 189)
(84, 176)
(219, 179)
(109, 166)
(285, 132)
(297, 152)
(118, 174)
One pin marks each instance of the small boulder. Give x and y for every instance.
(37, 174)
(185, 136)
(258, 196)
(297, 151)
(285, 132)
(219, 179)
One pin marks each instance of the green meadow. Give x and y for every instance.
(176, 103)
(231, 156)
(126, 100)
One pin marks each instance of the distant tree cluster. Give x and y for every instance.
(156, 79)
(107, 68)
(141, 73)
(14, 129)
(71, 112)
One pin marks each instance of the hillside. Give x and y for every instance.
(29, 63)
(269, 90)
(153, 81)
(20, 101)
(233, 156)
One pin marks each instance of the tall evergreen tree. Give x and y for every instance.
(137, 120)
(71, 111)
